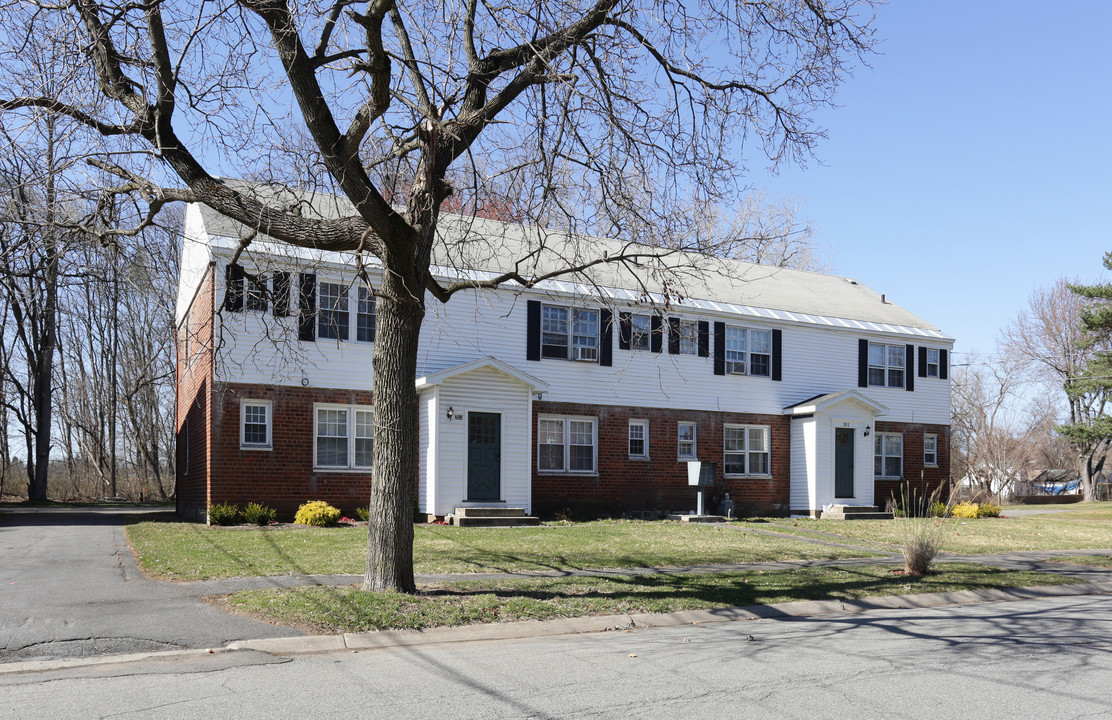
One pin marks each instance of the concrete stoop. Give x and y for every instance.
(491, 517)
(855, 512)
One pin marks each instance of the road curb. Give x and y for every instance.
(573, 626)
(39, 666)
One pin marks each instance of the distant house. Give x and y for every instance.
(805, 389)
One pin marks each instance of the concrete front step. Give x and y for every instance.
(473, 521)
(489, 511)
(855, 512)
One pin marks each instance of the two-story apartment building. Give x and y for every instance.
(589, 394)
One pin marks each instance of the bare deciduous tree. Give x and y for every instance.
(1047, 339)
(627, 108)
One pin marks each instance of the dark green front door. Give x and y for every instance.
(484, 456)
(843, 462)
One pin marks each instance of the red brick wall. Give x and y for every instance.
(922, 480)
(659, 483)
(282, 477)
(193, 344)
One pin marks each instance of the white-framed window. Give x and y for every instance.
(639, 439)
(255, 293)
(745, 450)
(887, 364)
(932, 362)
(689, 336)
(343, 437)
(255, 423)
(365, 315)
(640, 332)
(567, 444)
(685, 441)
(569, 333)
(930, 450)
(888, 455)
(332, 311)
(748, 351)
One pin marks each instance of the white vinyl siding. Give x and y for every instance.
(493, 323)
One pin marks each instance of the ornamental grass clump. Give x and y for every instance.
(921, 533)
(317, 513)
(257, 514)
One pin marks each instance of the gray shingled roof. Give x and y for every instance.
(476, 244)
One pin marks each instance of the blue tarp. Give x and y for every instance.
(1058, 488)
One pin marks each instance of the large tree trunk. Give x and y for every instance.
(400, 310)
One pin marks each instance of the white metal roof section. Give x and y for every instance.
(476, 248)
(526, 379)
(818, 403)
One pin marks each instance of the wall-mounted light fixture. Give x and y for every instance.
(451, 413)
(868, 429)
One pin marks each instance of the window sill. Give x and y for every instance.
(746, 477)
(930, 465)
(639, 458)
(343, 470)
(263, 448)
(568, 473)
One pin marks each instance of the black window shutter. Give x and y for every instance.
(625, 330)
(909, 375)
(943, 364)
(656, 337)
(922, 361)
(307, 307)
(233, 288)
(704, 338)
(606, 338)
(777, 353)
(673, 336)
(533, 330)
(862, 363)
(720, 348)
(281, 290)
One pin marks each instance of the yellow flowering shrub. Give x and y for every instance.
(967, 510)
(317, 513)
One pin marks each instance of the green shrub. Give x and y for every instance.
(317, 513)
(363, 513)
(965, 510)
(223, 514)
(257, 514)
(988, 510)
(940, 510)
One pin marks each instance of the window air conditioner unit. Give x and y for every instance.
(586, 354)
(737, 369)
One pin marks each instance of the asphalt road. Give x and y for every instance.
(69, 587)
(1046, 658)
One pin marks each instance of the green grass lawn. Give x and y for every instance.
(188, 551)
(1086, 528)
(347, 609)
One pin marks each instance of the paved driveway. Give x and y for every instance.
(69, 587)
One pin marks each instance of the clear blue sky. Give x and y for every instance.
(972, 163)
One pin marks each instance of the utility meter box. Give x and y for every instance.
(701, 474)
